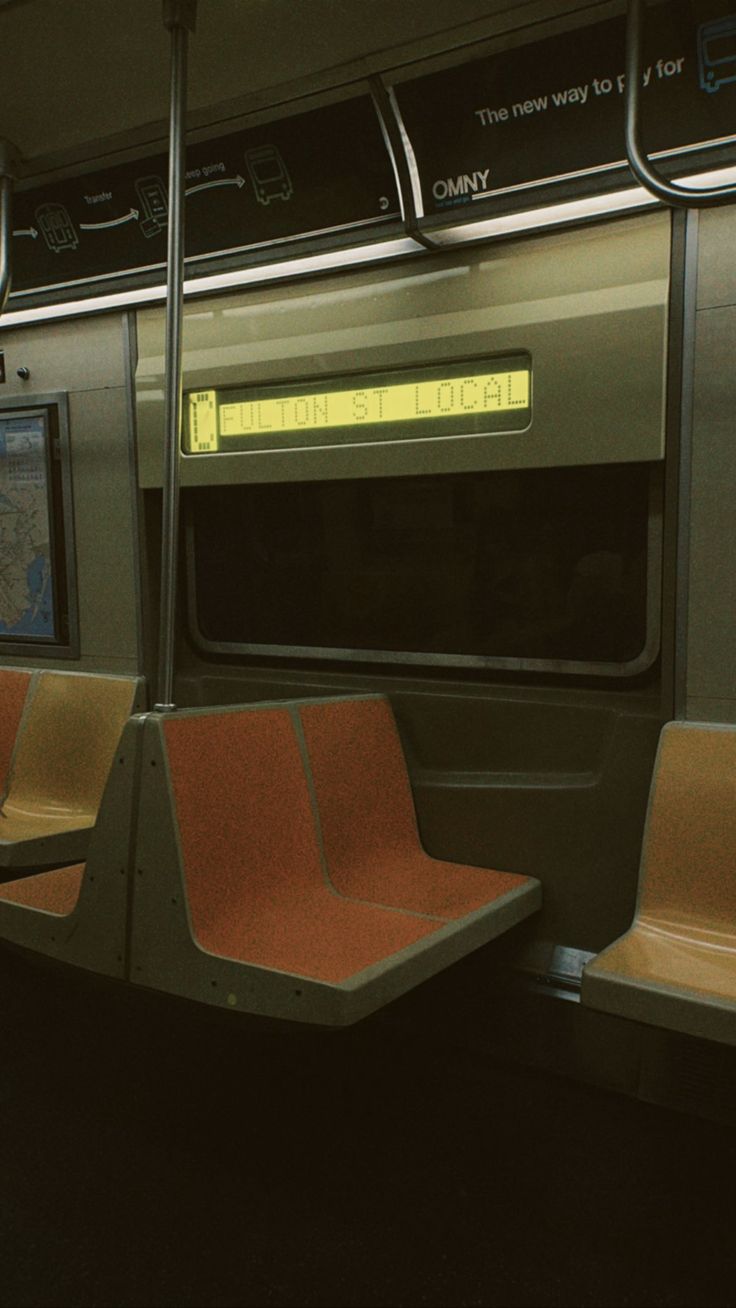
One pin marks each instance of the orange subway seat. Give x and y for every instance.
(252, 867)
(690, 838)
(53, 892)
(70, 731)
(368, 821)
(77, 911)
(676, 965)
(13, 691)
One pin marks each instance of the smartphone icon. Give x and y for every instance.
(154, 205)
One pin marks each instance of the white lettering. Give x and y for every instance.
(530, 106)
(489, 117)
(466, 182)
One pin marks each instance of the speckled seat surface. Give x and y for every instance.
(70, 727)
(368, 821)
(14, 686)
(235, 902)
(79, 913)
(676, 966)
(54, 892)
(255, 883)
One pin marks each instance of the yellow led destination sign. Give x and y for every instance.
(407, 402)
(219, 422)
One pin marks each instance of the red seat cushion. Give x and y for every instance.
(13, 691)
(54, 892)
(369, 826)
(252, 867)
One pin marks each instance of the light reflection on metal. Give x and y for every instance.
(179, 16)
(353, 256)
(700, 196)
(7, 173)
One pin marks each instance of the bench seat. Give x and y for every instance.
(235, 901)
(368, 820)
(54, 892)
(676, 966)
(66, 739)
(30, 842)
(15, 684)
(79, 913)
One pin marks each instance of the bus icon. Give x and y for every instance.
(56, 227)
(268, 174)
(717, 53)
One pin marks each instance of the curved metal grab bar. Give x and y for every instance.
(639, 162)
(6, 236)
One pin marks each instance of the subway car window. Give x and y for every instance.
(538, 565)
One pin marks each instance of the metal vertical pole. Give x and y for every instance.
(685, 454)
(7, 173)
(179, 17)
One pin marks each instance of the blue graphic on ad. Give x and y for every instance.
(717, 53)
(38, 619)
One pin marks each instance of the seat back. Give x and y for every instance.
(244, 815)
(70, 731)
(14, 686)
(361, 782)
(689, 848)
(55, 891)
(79, 914)
(232, 904)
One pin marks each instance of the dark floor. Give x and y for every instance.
(150, 1157)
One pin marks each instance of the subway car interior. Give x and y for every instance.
(367, 598)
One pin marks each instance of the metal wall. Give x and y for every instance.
(589, 306)
(711, 644)
(88, 359)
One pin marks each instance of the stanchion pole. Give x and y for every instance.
(8, 158)
(179, 18)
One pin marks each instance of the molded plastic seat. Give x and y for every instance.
(368, 819)
(70, 729)
(54, 892)
(14, 687)
(676, 966)
(228, 831)
(79, 913)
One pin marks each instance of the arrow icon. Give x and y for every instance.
(114, 222)
(221, 181)
(25, 231)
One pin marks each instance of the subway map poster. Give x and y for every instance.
(26, 577)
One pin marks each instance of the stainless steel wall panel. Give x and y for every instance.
(716, 265)
(83, 354)
(590, 307)
(711, 682)
(86, 359)
(104, 529)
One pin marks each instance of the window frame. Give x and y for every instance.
(492, 663)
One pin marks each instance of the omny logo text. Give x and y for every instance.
(461, 187)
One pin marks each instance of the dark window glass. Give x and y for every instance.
(540, 564)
